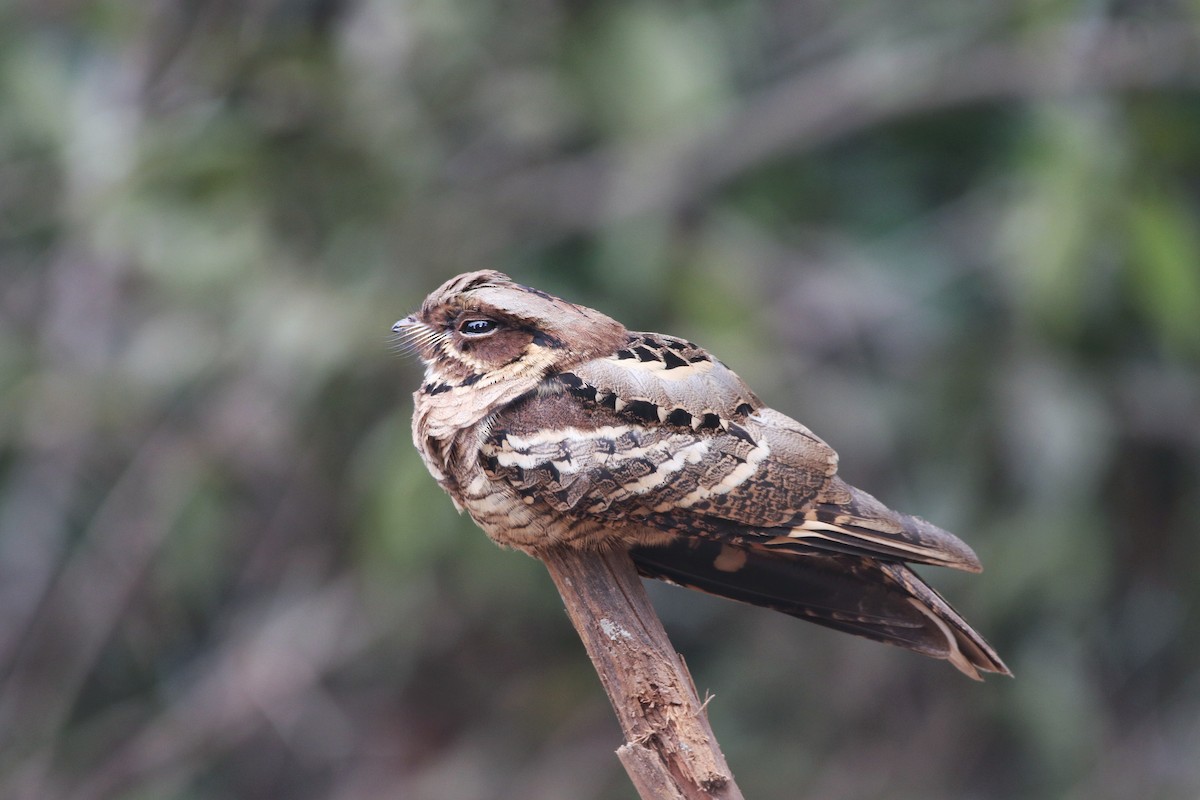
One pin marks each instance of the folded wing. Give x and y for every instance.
(591, 445)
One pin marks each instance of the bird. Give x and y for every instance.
(552, 425)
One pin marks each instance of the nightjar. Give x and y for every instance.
(552, 425)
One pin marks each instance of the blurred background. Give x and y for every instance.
(959, 240)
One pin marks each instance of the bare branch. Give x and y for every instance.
(670, 751)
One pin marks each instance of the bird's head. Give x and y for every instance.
(482, 328)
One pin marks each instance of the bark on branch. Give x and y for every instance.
(670, 751)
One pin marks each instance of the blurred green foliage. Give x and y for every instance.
(960, 241)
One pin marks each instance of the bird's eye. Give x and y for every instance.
(477, 327)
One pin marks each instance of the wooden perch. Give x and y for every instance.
(670, 751)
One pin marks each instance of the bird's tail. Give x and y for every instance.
(881, 600)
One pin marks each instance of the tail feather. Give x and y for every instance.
(880, 600)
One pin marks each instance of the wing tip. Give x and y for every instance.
(954, 552)
(911, 538)
(967, 561)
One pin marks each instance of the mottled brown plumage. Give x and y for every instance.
(551, 424)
